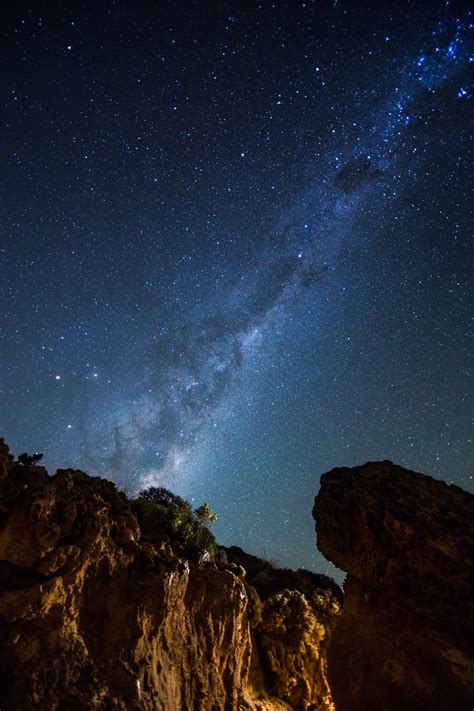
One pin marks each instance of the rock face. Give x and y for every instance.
(95, 616)
(405, 639)
(298, 610)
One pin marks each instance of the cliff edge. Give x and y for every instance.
(96, 614)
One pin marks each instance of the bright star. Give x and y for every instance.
(451, 51)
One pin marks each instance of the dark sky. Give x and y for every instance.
(235, 248)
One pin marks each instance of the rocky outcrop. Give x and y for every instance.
(405, 639)
(95, 616)
(297, 612)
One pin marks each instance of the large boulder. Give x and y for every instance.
(405, 639)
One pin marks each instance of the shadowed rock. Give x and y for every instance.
(405, 639)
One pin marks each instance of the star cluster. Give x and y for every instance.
(235, 248)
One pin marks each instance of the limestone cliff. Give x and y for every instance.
(405, 639)
(93, 615)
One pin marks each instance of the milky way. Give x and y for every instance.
(233, 267)
(196, 363)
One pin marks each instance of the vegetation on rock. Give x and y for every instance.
(160, 512)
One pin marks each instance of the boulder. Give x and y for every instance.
(405, 639)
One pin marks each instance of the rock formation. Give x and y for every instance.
(298, 610)
(405, 639)
(93, 615)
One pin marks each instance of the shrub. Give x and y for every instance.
(204, 515)
(159, 512)
(165, 497)
(29, 460)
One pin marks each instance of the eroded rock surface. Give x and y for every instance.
(95, 616)
(405, 639)
(297, 612)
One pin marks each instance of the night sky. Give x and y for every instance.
(234, 248)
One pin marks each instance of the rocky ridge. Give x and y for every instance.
(95, 616)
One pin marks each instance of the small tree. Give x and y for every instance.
(204, 515)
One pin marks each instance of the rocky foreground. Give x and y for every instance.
(95, 616)
(97, 613)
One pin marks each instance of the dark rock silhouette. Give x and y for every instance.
(405, 639)
(95, 615)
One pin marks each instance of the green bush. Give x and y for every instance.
(160, 512)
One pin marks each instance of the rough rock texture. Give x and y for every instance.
(94, 616)
(405, 639)
(298, 611)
